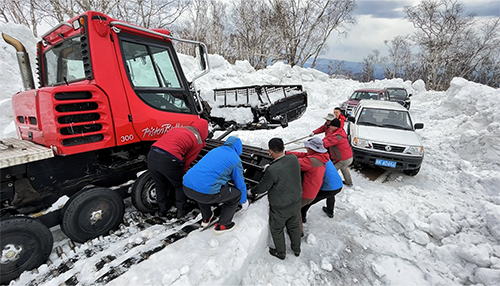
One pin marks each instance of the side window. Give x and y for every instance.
(153, 76)
(150, 68)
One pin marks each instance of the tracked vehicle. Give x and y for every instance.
(107, 90)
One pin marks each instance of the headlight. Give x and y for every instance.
(415, 150)
(361, 143)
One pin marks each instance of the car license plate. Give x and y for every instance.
(385, 163)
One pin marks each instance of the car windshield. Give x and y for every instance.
(397, 93)
(385, 118)
(358, 95)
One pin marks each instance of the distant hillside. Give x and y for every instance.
(322, 65)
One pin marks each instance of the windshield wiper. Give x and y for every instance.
(368, 123)
(165, 81)
(396, 126)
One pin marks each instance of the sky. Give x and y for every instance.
(440, 227)
(384, 20)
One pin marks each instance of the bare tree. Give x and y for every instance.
(255, 33)
(368, 66)
(439, 22)
(399, 57)
(304, 26)
(337, 69)
(20, 12)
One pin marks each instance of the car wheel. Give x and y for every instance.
(411, 172)
(91, 213)
(26, 243)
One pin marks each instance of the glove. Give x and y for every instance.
(245, 205)
(265, 167)
(312, 134)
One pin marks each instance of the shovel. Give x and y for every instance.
(298, 139)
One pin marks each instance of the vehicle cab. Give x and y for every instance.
(399, 95)
(350, 104)
(382, 133)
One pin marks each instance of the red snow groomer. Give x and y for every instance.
(107, 90)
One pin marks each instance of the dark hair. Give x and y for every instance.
(276, 145)
(337, 108)
(335, 123)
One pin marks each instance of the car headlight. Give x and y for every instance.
(415, 150)
(361, 143)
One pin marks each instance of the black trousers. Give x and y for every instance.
(330, 201)
(288, 217)
(167, 171)
(228, 196)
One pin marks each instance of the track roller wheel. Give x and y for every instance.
(91, 213)
(144, 193)
(25, 244)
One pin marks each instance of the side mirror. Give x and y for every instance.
(201, 56)
(352, 119)
(409, 95)
(419, 125)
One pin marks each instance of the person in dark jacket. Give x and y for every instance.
(312, 164)
(207, 183)
(332, 185)
(339, 149)
(282, 182)
(170, 157)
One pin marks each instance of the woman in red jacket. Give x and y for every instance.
(339, 149)
(312, 165)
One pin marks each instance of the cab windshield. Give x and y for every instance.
(63, 63)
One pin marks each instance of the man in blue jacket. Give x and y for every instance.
(332, 185)
(207, 183)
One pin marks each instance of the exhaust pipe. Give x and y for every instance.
(23, 61)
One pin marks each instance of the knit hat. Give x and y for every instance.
(330, 116)
(315, 144)
(335, 123)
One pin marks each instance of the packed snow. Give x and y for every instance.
(441, 227)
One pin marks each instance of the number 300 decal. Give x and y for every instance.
(127, 138)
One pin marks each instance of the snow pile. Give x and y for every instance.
(439, 227)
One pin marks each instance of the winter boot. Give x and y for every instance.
(181, 212)
(206, 222)
(330, 215)
(275, 253)
(220, 228)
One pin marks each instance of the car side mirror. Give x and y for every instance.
(409, 95)
(419, 125)
(351, 119)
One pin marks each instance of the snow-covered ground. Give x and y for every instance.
(439, 227)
